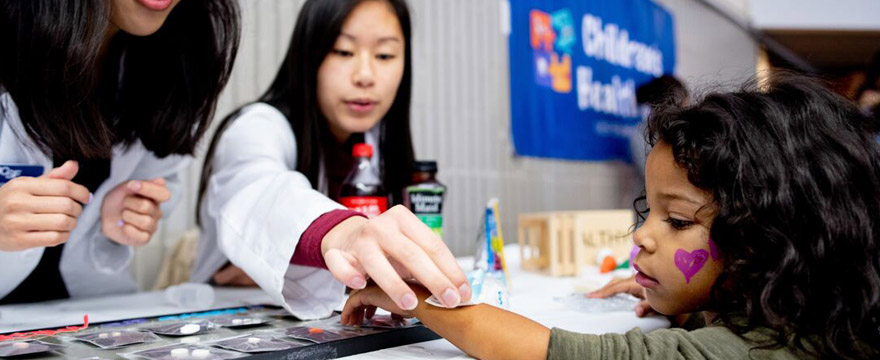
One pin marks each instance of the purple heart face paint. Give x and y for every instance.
(690, 263)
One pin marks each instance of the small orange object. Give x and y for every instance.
(608, 265)
(313, 331)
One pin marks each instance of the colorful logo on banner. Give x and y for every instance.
(552, 38)
(575, 67)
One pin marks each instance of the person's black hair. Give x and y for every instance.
(661, 90)
(794, 173)
(294, 93)
(872, 76)
(77, 98)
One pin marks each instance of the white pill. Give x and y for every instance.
(117, 333)
(254, 340)
(190, 329)
(21, 345)
(236, 321)
(191, 340)
(181, 353)
(201, 353)
(103, 335)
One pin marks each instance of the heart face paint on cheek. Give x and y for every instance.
(690, 263)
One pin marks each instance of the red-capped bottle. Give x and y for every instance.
(362, 189)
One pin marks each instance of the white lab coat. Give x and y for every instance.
(91, 264)
(257, 206)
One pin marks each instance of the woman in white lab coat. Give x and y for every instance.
(274, 169)
(100, 104)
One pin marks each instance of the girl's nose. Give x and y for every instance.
(644, 239)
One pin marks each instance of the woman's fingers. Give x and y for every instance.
(394, 245)
(47, 222)
(142, 222)
(46, 238)
(436, 252)
(135, 236)
(375, 263)
(55, 205)
(422, 267)
(341, 266)
(158, 181)
(66, 171)
(142, 206)
(55, 187)
(150, 190)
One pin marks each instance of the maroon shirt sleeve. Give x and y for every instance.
(308, 250)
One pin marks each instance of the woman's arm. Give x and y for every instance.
(259, 202)
(257, 208)
(483, 331)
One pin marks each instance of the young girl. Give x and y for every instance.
(274, 170)
(764, 216)
(111, 94)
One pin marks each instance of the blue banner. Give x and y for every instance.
(574, 69)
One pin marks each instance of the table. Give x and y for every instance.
(532, 295)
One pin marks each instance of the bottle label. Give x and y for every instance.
(427, 204)
(371, 206)
(434, 221)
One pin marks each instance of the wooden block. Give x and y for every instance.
(604, 229)
(564, 242)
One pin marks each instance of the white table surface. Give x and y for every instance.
(532, 296)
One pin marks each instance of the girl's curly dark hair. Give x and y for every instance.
(794, 171)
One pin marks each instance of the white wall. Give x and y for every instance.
(710, 50)
(861, 15)
(461, 112)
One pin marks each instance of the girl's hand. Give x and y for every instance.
(130, 213)
(629, 286)
(40, 212)
(389, 248)
(362, 304)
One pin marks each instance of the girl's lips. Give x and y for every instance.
(645, 280)
(156, 5)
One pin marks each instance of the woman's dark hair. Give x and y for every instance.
(294, 93)
(794, 171)
(77, 98)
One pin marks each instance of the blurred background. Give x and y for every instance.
(461, 109)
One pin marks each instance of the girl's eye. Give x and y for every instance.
(344, 53)
(678, 224)
(385, 57)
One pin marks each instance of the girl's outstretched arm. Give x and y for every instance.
(482, 331)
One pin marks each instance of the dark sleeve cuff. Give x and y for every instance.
(308, 250)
